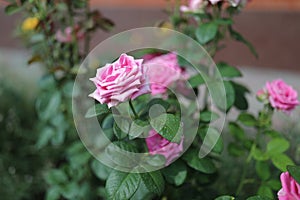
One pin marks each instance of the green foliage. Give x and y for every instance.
(168, 126)
(176, 173)
(294, 172)
(204, 165)
(206, 32)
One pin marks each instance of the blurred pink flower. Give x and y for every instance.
(234, 3)
(193, 6)
(120, 81)
(290, 188)
(67, 35)
(281, 96)
(158, 145)
(163, 71)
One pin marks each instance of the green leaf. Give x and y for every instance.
(219, 95)
(53, 193)
(224, 21)
(241, 101)
(262, 170)
(281, 161)
(277, 146)
(226, 197)
(175, 173)
(45, 136)
(228, 71)
(47, 105)
(122, 131)
(100, 170)
(274, 184)
(96, 110)
(259, 155)
(168, 125)
(259, 198)
(154, 181)
(208, 116)
(236, 131)
(12, 8)
(142, 192)
(209, 135)
(247, 119)
(235, 150)
(294, 172)
(121, 185)
(160, 102)
(137, 128)
(266, 191)
(196, 80)
(238, 37)
(204, 165)
(70, 191)
(206, 32)
(56, 176)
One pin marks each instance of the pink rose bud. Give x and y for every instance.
(163, 71)
(120, 81)
(67, 35)
(158, 145)
(262, 96)
(282, 96)
(290, 188)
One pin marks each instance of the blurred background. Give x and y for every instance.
(273, 26)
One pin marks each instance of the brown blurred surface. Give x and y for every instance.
(274, 34)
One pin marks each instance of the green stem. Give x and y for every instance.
(133, 110)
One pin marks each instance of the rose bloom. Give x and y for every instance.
(158, 145)
(120, 81)
(193, 6)
(67, 35)
(281, 96)
(290, 188)
(30, 23)
(162, 71)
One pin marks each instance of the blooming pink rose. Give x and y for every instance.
(282, 96)
(290, 188)
(193, 6)
(119, 81)
(158, 145)
(163, 71)
(67, 35)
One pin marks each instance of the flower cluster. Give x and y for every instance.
(128, 78)
(198, 5)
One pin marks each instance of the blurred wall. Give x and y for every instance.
(274, 31)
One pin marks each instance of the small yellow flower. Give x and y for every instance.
(30, 23)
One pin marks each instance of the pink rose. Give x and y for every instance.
(67, 35)
(290, 188)
(163, 71)
(119, 81)
(158, 145)
(281, 96)
(193, 6)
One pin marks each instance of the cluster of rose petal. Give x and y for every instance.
(128, 78)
